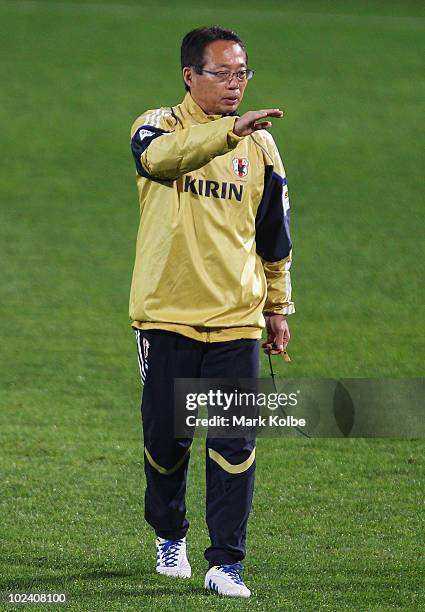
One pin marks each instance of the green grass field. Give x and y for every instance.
(336, 524)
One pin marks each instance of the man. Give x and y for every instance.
(212, 257)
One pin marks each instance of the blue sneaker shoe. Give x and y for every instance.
(171, 559)
(226, 580)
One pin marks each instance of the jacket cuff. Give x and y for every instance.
(233, 139)
(285, 310)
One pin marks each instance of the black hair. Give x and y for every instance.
(195, 41)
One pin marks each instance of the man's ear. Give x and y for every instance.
(187, 76)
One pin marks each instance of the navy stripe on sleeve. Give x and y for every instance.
(140, 142)
(272, 225)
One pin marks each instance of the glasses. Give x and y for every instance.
(226, 75)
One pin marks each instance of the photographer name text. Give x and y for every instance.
(242, 421)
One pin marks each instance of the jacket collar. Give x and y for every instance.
(190, 107)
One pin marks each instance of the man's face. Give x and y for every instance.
(215, 96)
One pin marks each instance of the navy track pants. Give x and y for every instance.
(230, 462)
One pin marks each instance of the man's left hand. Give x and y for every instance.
(277, 334)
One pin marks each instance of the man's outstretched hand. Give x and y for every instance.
(277, 334)
(246, 124)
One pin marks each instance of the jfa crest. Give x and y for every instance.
(240, 167)
(145, 348)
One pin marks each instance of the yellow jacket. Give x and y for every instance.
(213, 248)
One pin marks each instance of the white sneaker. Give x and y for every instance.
(226, 580)
(171, 559)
